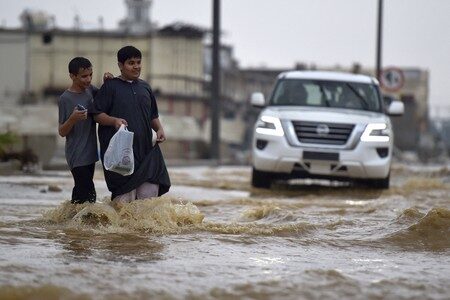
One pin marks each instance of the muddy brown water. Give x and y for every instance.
(213, 237)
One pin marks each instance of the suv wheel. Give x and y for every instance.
(261, 179)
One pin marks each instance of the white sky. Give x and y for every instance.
(279, 33)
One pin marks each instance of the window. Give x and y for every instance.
(350, 95)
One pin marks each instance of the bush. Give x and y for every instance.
(7, 139)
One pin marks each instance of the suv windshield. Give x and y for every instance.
(320, 93)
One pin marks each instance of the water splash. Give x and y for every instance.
(258, 213)
(409, 215)
(96, 214)
(431, 232)
(159, 216)
(150, 215)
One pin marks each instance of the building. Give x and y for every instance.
(14, 60)
(411, 87)
(137, 20)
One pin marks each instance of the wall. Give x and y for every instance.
(177, 65)
(13, 65)
(49, 61)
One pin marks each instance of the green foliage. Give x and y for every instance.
(7, 139)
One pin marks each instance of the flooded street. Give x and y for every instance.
(214, 237)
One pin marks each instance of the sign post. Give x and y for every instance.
(392, 79)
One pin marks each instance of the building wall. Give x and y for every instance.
(13, 66)
(177, 65)
(49, 61)
(415, 89)
(414, 95)
(197, 108)
(172, 64)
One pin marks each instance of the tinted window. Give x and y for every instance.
(320, 93)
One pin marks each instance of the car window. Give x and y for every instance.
(349, 95)
(314, 94)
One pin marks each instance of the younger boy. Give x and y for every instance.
(79, 129)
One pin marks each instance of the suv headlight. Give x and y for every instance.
(376, 132)
(270, 126)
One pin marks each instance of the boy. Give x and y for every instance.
(79, 129)
(130, 101)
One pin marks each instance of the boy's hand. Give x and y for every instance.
(160, 136)
(107, 76)
(78, 115)
(118, 122)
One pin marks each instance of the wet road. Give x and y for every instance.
(213, 237)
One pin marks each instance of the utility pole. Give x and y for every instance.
(379, 38)
(215, 84)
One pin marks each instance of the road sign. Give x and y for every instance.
(392, 79)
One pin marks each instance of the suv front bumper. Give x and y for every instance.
(364, 161)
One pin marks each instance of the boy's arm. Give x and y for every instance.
(76, 116)
(157, 126)
(106, 120)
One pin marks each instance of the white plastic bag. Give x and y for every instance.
(119, 156)
(153, 137)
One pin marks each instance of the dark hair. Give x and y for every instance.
(78, 63)
(128, 52)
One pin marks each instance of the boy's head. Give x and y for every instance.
(80, 71)
(129, 61)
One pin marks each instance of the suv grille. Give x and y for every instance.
(322, 133)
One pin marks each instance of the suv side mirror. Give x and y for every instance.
(396, 108)
(257, 99)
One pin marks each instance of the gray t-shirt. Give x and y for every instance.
(81, 142)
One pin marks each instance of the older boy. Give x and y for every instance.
(79, 129)
(129, 100)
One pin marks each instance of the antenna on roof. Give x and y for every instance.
(77, 22)
(101, 23)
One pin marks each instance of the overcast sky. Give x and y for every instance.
(279, 33)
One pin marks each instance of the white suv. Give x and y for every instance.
(324, 125)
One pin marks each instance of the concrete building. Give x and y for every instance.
(412, 90)
(13, 60)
